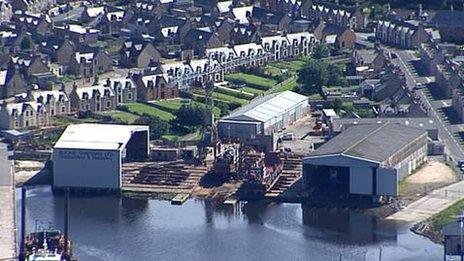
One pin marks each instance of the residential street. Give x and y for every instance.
(438, 107)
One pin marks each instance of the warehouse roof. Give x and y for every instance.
(372, 142)
(97, 136)
(424, 123)
(267, 107)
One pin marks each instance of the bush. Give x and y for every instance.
(235, 93)
(122, 108)
(157, 126)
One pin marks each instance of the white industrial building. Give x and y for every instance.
(368, 159)
(90, 156)
(256, 122)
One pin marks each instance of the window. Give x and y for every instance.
(27, 123)
(63, 109)
(87, 107)
(16, 124)
(52, 112)
(129, 96)
(108, 104)
(27, 113)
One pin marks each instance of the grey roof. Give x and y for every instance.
(449, 18)
(370, 141)
(367, 55)
(423, 123)
(267, 107)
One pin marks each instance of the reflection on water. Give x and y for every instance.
(349, 226)
(114, 228)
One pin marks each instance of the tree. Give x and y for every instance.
(26, 43)
(336, 76)
(321, 51)
(313, 76)
(337, 104)
(157, 126)
(377, 11)
(190, 115)
(224, 108)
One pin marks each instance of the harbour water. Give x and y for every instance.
(114, 228)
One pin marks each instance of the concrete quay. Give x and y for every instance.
(8, 250)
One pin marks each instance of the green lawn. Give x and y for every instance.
(229, 98)
(272, 70)
(173, 105)
(448, 215)
(222, 97)
(123, 116)
(251, 90)
(67, 78)
(290, 85)
(140, 108)
(292, 66)
(251, 80)
(195, 136)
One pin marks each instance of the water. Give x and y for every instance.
(111, 228)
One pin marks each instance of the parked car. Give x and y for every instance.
(288, 136)
(371, 38)
(418, 86)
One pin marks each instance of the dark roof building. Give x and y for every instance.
(366, 159)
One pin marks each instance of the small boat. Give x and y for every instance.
(47, 245)
(179, 199)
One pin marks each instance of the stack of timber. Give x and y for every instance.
(169, 178)
(291, 173)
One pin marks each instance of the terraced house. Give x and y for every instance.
(403, 34)
(439, 64)
(352, 17)
(33, 109)
(95, 98)
(448, 72)
(124, 88)
(224, 59)
(154, 86)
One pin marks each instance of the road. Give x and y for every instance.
(433, 106)
(433, 203)
(7, 209)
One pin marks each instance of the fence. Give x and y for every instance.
(447, 193)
